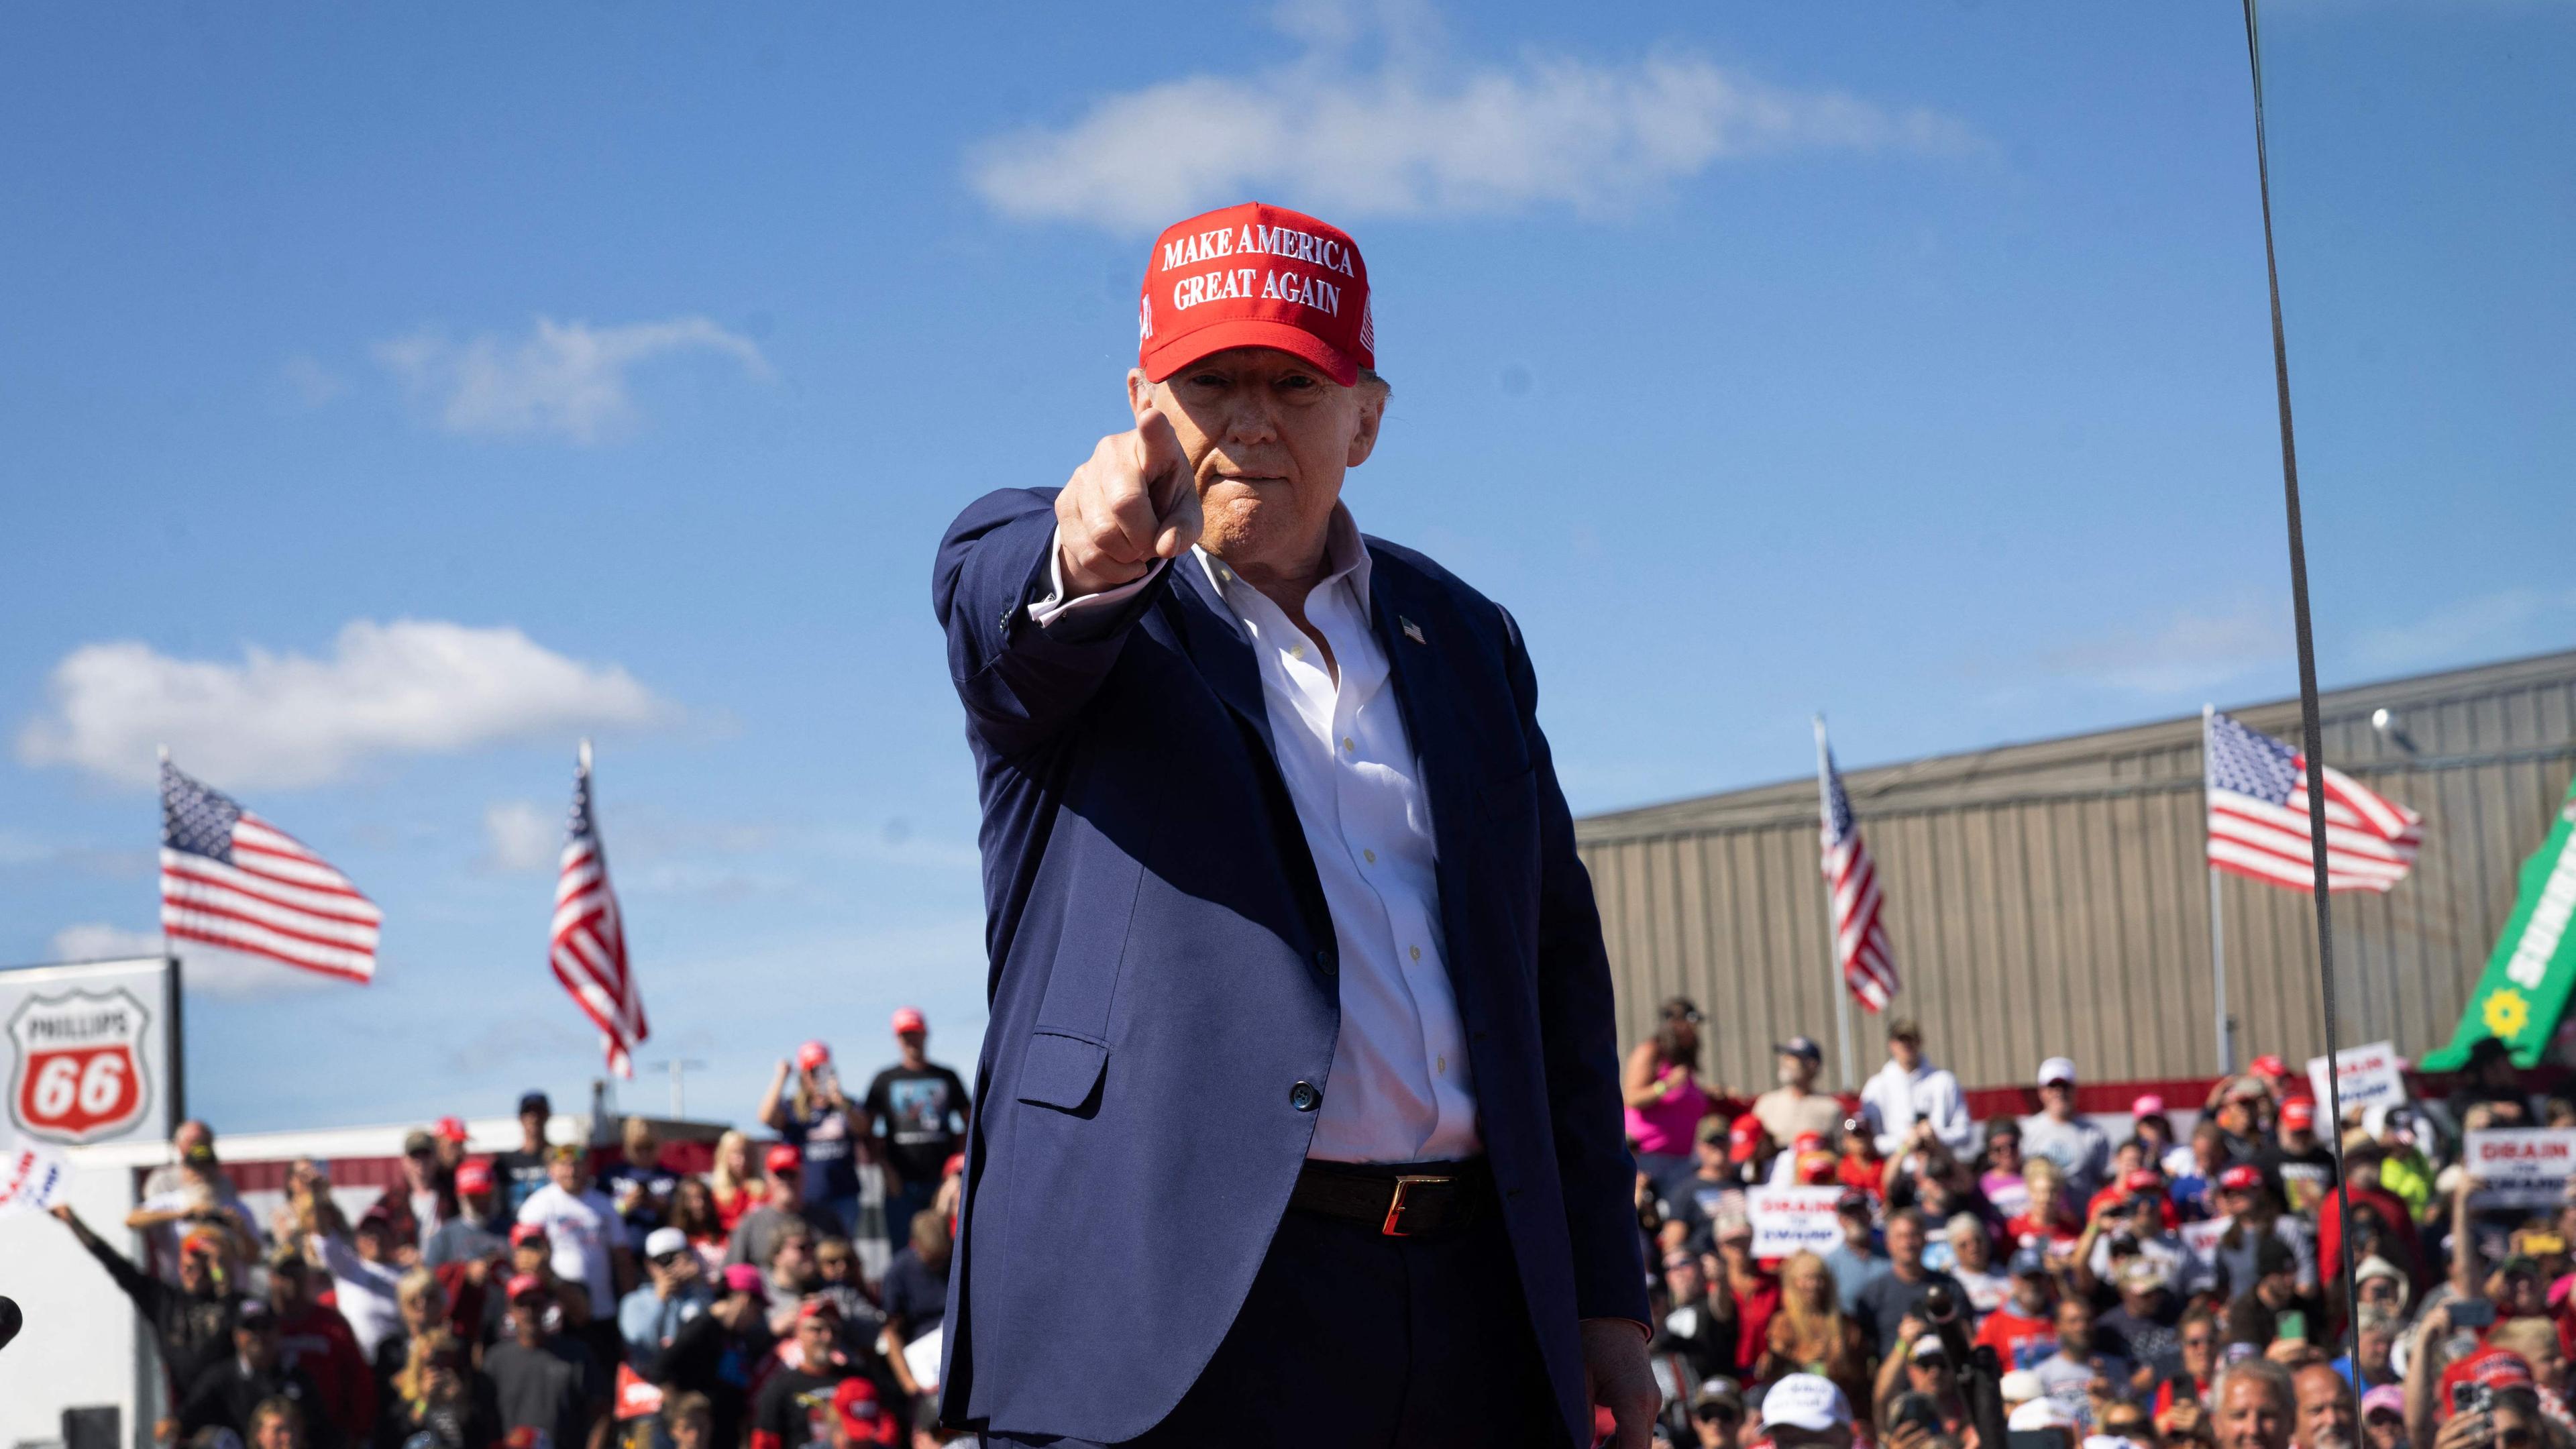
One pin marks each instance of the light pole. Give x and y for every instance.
(679, 1094)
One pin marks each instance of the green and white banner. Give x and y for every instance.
(2525, 988)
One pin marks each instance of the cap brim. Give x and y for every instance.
(1170, 357)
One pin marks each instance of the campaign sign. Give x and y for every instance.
(2369, 1076)
(31, 1178)
(1790, 1220)
(89, 1050)
(2519, 1166)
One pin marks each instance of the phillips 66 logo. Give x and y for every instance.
(80, 1065)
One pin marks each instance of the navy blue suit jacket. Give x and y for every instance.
(1163, 974)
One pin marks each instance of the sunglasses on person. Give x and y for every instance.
(1717, 1414)
(665, 1260)
(832, 1260)
(1689, 1014)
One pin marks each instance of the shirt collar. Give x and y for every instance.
(1346, 559)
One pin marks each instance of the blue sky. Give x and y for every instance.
(393, 396)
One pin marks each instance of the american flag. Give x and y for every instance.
(229, 878)
(589, 952)
(1860, 937)
(2258, 818)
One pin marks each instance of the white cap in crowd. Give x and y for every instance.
(1806, 1401)
(2040, 1413)
(2057, 1069)
(663, 1241)
(2020, 1387)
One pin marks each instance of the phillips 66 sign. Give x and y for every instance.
(90, 1050)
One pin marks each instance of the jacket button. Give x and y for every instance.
(1304, 1097)
(1325, 963)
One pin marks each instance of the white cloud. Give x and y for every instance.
(413, 686)
(565, 378)
(1415, 137)
(309, 383)
(203, 968)
(2192, 651)
(519, 835)
(2490, 626)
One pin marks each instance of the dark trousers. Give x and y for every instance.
(1357, 1340)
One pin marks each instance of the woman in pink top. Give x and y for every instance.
(1665, 1097)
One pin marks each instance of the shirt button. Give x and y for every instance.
(1347, 746)
(1441, 1064)
(1305, 1097)
(1417, 952)
(1296, 651)
(1369, 855)
(1325, 963)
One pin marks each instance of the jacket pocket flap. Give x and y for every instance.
(1061, 1071)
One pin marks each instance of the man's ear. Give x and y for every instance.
(1372, 401)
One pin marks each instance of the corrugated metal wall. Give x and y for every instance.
(2068, 912)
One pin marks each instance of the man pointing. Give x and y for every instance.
(1300, 1114)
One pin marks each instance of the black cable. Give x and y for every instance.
(2312, 733)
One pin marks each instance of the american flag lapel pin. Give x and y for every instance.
(1412, 630)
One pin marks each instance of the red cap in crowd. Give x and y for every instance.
(1743, 1138)
(863, 1418)
(744, 1278)
(474, 1175)
(2270, 1066)
(523, 1285)
(2299, 1113)
(2141, 1180)
(816, 1307)
(526, 1233)
(2497, 1368)
(449, 1129)
(812, 1054)
(909, 1018)
(1806, 1142)
(783, 1157)
(1255, 276)
(2243, 1177)
(2148, 1105)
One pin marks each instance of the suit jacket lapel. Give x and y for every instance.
(1427, 696)
(1218, 645)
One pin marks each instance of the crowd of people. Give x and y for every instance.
(2140, 1287)
(2145, 1285)
(567, 1295)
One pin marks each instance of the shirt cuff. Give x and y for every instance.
(1056, 606)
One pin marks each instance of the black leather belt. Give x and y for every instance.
(1399, 1199)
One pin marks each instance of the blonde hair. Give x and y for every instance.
(411, 1383)
(721, 1175)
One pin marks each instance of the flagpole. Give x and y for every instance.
(1833, 958)
(2217, 935)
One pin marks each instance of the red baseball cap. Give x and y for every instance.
(1806, 1142)
(2268, 1065)
(449, 1129)
(783, 1157)
(1255, 275)
(2243, 1177)
(863, 1417)
(2497, 1368)
(523, 1284)
(817, 1306)
(2141, 1179)
(909, 1018)
(2299, 1113)
(812, 1054)
(526, 1233)
(474, 1175)
(1743, 1137)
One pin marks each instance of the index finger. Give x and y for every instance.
(1159, 458)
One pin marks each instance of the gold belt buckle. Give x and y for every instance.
(1395, 1206)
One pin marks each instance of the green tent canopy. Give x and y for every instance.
(2527, 981)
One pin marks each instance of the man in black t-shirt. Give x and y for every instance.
(717, 1352)
(522, 1172)
(921, 1107)
(2295, 1164)
(796, 1406)
(544, 1380)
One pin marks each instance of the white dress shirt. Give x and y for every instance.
(1400, 1088)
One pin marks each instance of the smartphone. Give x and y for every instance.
(2185, 1391)
(1919, 1410)
(2473, 1313)
(2470, 1398)
(2293, 1323)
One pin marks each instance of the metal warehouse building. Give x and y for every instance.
(2051, 897)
